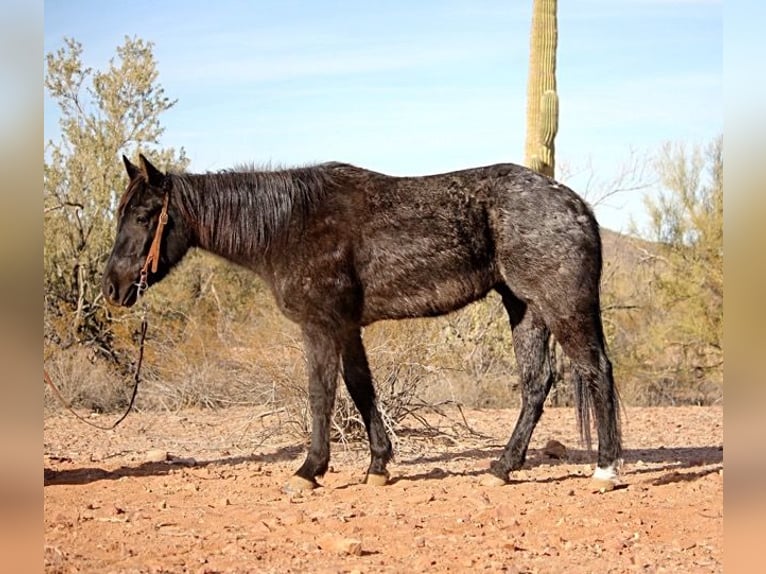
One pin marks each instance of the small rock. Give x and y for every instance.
(602, 486)
(436, 473)
(291, 518)
(615, 545)
(506, 513)
(554, 449)
(261, 528)
(156, 455)
(349, 546)
(423, 498)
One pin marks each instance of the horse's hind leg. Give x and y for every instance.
(530, 343)
(358, 379)
(581, 336)
(322, 354)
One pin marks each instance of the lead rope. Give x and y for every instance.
(152, 259)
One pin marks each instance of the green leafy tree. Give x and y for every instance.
(103, 114)
(687, 283)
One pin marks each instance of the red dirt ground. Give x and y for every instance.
(109, 509)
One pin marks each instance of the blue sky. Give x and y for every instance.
(411, 88)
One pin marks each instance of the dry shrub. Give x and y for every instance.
(420, 364)
(84, 382)
(216, 360)
(396, 382)
(652, 365)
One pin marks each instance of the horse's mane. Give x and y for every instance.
(244, 211)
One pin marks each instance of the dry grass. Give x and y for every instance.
(83, 382)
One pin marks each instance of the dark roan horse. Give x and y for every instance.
(342, 247)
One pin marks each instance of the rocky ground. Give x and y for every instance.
(201, 491)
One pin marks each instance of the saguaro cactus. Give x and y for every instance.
(542, 99)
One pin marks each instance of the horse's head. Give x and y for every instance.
(146, 200)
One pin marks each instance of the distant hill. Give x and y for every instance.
(626, 249)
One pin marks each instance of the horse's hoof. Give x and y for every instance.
(492, 480)
(299, 484)
(605, 479)
(377, 479)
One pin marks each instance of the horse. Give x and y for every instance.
(341, 247)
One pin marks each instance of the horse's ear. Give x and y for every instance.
(154, 176)
(133, 171)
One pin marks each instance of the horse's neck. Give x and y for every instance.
(232, 217)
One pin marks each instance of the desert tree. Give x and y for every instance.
(686, 225)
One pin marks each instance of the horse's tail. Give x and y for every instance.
(585, 385)
(583, 407)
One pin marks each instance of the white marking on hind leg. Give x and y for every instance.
(607, 478)
(607, 473)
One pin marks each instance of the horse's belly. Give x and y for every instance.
(425, 262)
(419, 290)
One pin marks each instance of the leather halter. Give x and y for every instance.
(153, 257)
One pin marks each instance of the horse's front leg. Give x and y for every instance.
(358, 379)
(322, 355)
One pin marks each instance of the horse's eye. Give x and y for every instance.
(142, 220)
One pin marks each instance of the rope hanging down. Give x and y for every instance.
(136, 380)
(152, 261)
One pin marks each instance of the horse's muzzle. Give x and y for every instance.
(119, 293)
